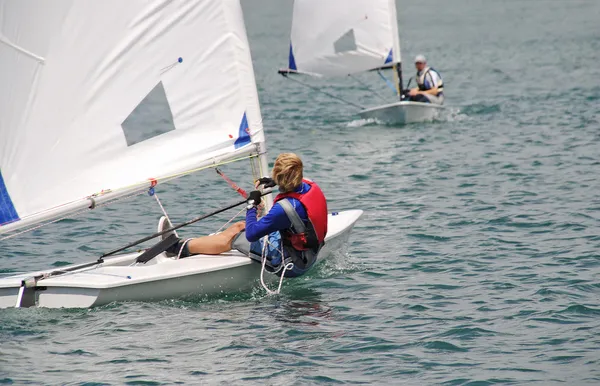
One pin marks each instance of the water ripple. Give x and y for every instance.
(476, 262)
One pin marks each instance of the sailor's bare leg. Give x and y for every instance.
(215, 244)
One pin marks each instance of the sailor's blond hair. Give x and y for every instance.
(287, 172)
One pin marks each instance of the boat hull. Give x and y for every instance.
(119, 279)
(401, 113)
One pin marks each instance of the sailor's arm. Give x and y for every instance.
(415, 91)
(273, 221)
(431, 91)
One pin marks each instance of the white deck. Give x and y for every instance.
(401, 113)
(161, 278)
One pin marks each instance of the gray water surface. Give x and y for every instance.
(477, 260)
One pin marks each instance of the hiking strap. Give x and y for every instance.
(157, 249)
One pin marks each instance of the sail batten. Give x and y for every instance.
(165, 89)
(21, 49)
(334, 39)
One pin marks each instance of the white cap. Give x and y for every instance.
(420, 58)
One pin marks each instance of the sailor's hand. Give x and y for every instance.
(413, 92)
(254, 199)
(266, 182)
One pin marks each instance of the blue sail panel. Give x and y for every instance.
(8, 213)
(292, 64)
(244, 133)
(390, 57)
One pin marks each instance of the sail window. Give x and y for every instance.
(150, 118)
(347, 42)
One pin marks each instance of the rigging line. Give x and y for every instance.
(235, 186)
(70, 216)
(172, 176)
(211, 166)
(254, 176)
(241, 191)
(387, 81)
(259, 165)
(181, 225)
(90, 271)
(161, 206)
(230, 220)
(325, 92)
(367, 87)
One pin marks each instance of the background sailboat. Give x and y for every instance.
(331, 39)
(68, 143)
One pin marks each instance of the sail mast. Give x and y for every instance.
(264, 166)
(396, 48)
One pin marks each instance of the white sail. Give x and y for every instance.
(333, 38)
(72, 72)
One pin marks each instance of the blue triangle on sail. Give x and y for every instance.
(8, 212)
(244, 134)
(150, 118)
(390, 57)
(292, 64)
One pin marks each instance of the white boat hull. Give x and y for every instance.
(161, 278)
(400, 113)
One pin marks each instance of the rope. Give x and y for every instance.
(233, 185)
(262, 270)
(326, 93)
(229, 222)
(253, 167)
(161, 207)
(367, 87)
(387, 81)
(189, 171)
(90, 272)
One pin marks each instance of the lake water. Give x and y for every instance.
(477, 261)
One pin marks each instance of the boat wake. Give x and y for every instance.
(452, 114)
(449, 114)
(364, 122)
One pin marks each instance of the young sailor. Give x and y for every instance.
(430, 84)
(296, 225)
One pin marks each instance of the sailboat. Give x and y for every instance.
(73, 75)
(340, 38)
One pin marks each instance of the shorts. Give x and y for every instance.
(255, 249)
(273, 253)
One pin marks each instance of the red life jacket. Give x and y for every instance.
(315, 204)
